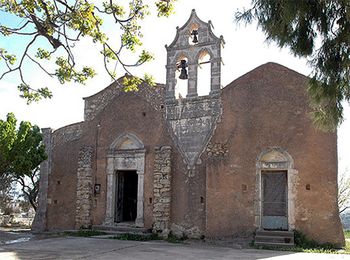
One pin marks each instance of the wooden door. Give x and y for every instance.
(274, 200)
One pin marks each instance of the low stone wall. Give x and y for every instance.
(162, 190)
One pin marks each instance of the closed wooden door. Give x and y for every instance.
(274, 200)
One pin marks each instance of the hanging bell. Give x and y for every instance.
(183, 73)
(194, 33)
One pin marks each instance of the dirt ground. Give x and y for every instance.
(21, 244)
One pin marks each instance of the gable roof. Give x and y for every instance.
(97, 102)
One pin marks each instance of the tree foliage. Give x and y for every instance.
(318, 30)
(21, 152)
(6, 197)
(62, 23)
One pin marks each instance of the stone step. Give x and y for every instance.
(122, 229)
(274, 239)
(272, 244)
(274, 233)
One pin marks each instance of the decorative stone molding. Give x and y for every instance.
(192, 120)
(162, 190)
(276, 159)
(192, 123)
(180, 48)
(84, 188)
(125, 153)
(217, 149)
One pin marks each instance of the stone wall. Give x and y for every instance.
(192, 123)
(84, 187)
(96, 103)
(162, 190)
(67, 134)
(39, 223)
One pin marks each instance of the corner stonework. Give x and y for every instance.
(162, 190)
(84, 187)
(39, 223)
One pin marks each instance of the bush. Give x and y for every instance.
(302, 242)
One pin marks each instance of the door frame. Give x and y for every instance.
(120, 175)
(276, 159)
(266, 172)
(126, 153)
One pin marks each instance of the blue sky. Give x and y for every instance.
(245, 49)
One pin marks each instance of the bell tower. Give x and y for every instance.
(192, 40)
(192, 118)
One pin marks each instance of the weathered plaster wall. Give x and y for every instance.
(96, 103)
(268, 107)
(127, 113)
(61, 198)
(264, 108)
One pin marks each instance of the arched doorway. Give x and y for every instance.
(125, 181)
(276, 180)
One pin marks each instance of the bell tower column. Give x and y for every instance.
(192, 80)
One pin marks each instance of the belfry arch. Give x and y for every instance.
(191, 39)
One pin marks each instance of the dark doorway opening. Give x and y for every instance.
(126, 196)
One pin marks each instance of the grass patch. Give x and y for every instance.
(84, 233)
(303, 244)
(137, 237)
(175, 239)
(347, 233)
(301, 241)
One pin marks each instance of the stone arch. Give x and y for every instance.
(270, 161)
(126, 153)
(127, 141)
(181, 85)
(181, 44)
(277, 157)
(204, 50)
(204, 71)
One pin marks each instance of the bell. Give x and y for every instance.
(183, 66)
(194, 33)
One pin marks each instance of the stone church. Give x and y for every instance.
(243, 159)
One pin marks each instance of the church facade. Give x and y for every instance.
(242, 158)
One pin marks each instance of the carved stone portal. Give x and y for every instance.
(126, 153)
